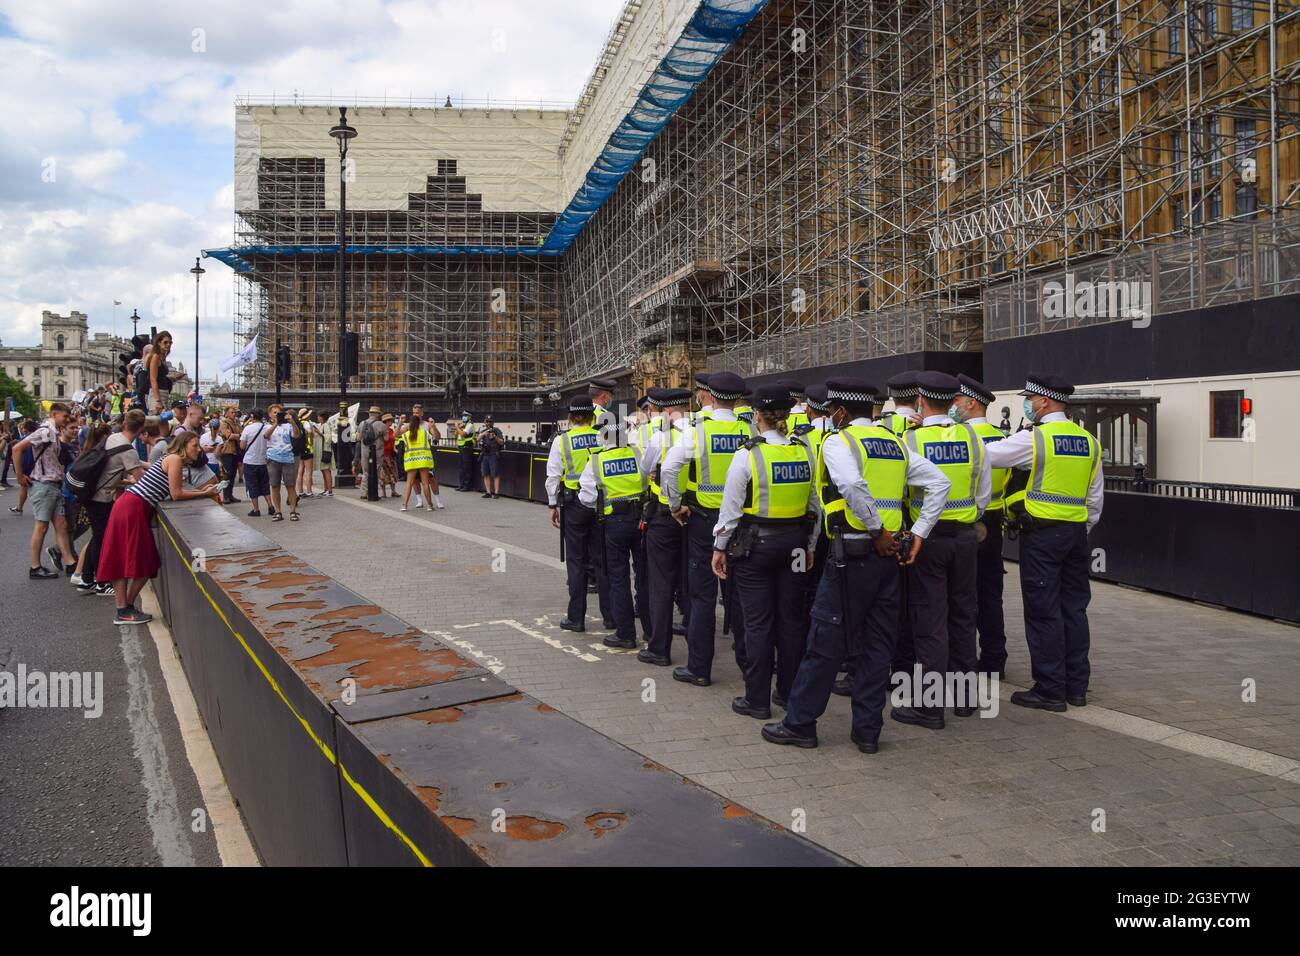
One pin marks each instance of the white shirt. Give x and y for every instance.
(680, 454)
(554, 471)
(653, 448)
(983, 484)
(253, 440)
(1019, 450)
(842, 468)
(736, 487)
(209, 441)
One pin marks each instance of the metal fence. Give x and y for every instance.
(1232, 262)
(1204, 491)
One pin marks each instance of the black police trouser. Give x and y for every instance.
(579, 546)
(771, 596)
(641, 578)
(1054, 581)
(904, 652)
(664, 570)
(988, 585)
(621, 547)
(701, 594)
(941, 599)
(466, 463)
(866, 632)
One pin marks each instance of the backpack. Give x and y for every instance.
(83, 477)
(298, 442)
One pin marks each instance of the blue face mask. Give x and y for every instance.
(954, 413)
(1029, 410)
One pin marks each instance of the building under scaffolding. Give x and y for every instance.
(767, 185)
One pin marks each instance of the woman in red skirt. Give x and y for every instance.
(128, 556)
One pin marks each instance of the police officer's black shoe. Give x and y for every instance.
(628, 645)
(679, 630)
(608, 625)
(567, 625)
(779, 701)
(742, 707)
(645, 657)
(591, 588)
(1080, 701)
(910, 715)
(866, 746)
(963, 711)
(779, 733)
(1031, 699)
(686, 677)
(843, 687)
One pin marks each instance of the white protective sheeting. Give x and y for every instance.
(652, 33)
(509, 156)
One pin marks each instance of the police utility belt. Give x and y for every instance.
(750, 531)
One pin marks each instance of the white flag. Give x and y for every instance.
(248, 354)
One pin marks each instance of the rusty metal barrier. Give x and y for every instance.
(435, 761)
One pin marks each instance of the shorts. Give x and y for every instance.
(257, 481)
(46, 499)
(283, 473)
(490, 465)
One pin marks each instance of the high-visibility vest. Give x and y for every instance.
(794, 421)
(115, 404)
(813, 434)
(468, 437)
(618, 475)
(897, 424)
(990, 433)
(716, 442)
(418, 452)
(882, 459)
(780, 481)
(1065, 459)
(744, 413)
(575, 445)
(956, 450)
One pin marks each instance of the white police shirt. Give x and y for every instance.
(736, 488)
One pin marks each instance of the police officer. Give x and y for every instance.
(644, 426)
(613, 486)
(693, 476)
(763, 541)
(861, 479)
(903, 390)
(465, 430)
(941, 588)
(1056, 510)
(663, 535)
(601, 391)
(703, 400)
(576, 521)
(743, 410)
(970, 407)
(798, 408)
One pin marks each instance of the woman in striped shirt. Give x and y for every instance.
(128, 556)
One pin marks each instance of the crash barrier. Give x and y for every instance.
(349, 737)
(1242, 557)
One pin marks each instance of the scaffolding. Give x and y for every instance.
(850, 180)
(854, 176)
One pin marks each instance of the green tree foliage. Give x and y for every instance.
(25, 403)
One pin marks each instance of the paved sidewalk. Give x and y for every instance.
(1168, 756)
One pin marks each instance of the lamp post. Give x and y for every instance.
(343, 133)
(135, 322)
(197, 272)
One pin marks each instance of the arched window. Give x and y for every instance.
(59, 343)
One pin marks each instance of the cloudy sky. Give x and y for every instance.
(116, 151)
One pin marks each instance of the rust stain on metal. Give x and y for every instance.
(651, 765)
(533, 829)
(461, 826)
(377, 659)
(288, 579)
(282, 561)
(443, 715)
(734, 810)
(297, 605)
(606, 822)
(500, 785)
(348, 613)
(429, 796)
(295, 594)
(545, 709)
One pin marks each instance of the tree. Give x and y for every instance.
(25, 403)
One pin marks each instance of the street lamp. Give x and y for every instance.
(135, 322)
(343, 133)
(197, 271)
